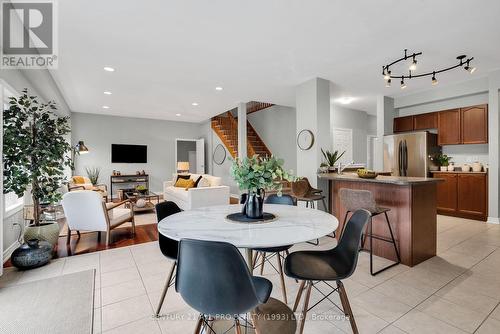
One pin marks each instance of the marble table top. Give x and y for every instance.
(293, 225)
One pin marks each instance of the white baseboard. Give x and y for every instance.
(8, 252)
(493, 220)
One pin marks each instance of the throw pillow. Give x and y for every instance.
(78, 179)
(190, 184)
(203, 183)
(183, 176)
(197, 181)
(182, 183)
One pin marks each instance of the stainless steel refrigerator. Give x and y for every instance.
(409, 154)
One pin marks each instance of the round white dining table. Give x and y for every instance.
(292, 225)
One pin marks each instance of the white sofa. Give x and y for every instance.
(211, 193)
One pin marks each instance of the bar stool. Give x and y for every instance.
(303, 191)
(353, 200)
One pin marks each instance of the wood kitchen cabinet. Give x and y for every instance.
(447, 193)
(472, 196)
(474, 124)
(403, 124)
(425, 121)
(463, 194)
(449, 126)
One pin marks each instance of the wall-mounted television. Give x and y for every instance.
(129, 153)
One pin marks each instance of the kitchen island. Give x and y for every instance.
(413, 205)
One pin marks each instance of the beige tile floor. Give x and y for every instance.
(457, 291)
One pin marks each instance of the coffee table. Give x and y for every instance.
(147, 196)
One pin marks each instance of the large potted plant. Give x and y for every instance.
(256, 175)
(331, 159)
(35, 155)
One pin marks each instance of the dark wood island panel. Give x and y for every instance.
(412, 216)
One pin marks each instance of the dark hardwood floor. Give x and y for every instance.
(88, 242)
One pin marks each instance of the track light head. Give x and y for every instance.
(388, 83)
(434, 80)
(387, 75)
(469, 68)
(413, 65)
(403, 85)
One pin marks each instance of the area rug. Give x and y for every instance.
(63, 304)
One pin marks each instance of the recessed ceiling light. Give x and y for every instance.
(105, 107)
(218, 88)
(194, 104)
(178, 115)
(107, 93)
(109, 69)
(345, 100)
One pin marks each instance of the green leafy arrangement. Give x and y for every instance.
(35, 149)
(93, 174)
(442, 159)
(257, 173)
(330, 158)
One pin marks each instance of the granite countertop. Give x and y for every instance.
(457, 172)
(397, 180)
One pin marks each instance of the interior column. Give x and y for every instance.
(312, 101)
(385, 119)
(242, 130)
(493, 148)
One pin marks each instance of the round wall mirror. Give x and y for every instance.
(219, 154)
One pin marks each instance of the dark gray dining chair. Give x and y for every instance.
(337, 264)
(213, 278)
(266, 254)
(168, 247)
(352, 200)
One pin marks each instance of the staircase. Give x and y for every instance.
(226, 127)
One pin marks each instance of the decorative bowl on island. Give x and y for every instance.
(366, 174)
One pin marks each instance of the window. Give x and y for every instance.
(12, 203)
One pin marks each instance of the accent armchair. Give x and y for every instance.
(85, 210)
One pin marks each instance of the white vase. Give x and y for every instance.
(477, 167)
(443, 168)
(451, 167)
(465, 168)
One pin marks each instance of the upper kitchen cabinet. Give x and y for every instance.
(425, 121)
(475, 124)
(403, 124)
(449, 127)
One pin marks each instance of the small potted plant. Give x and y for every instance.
(331, 159)
(141, 189)
(93, 174)
(444, 161)
(256, 175)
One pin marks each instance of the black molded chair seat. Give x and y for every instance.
(273, 249)
(263, 288)
(316, 265)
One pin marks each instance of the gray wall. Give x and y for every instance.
(361, 124)
(183, 148)
(99, 132)
(276, 126)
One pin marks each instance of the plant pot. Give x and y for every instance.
(254, 206)
(444, 168)
(48, 231)
(32, 254)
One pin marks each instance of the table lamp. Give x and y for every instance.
(182, 166)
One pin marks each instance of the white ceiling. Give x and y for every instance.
(168, 54)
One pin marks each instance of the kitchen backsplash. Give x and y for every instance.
(467, 153)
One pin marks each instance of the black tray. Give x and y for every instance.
(239, 217)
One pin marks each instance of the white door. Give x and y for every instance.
(342, 141)
(200, 156)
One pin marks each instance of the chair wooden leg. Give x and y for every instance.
(282, 278)
(108, 235)
(343, 225)
(346, 306)
(237, 327)
(165, 289)
(254, 261)
(324, 205)
(198, 325)
(305, 307)
(78, 233)
(68, 237)
(299, 296)
(98, 236)
(133, 226)
(262, 262)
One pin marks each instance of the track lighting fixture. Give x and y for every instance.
(434, 80)
(386, 72)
